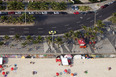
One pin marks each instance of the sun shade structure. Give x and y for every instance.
(57, 74)
(3, 73)
(1, 60)
(68, 56)
(64, 61)
(65, 70)
(12, 69)
(1, 66)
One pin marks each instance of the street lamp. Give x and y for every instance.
(52, 33)
(95, 18)
(25, 14)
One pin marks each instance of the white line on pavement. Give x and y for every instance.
(12, 28)
(40, 28)
(53, 27)
(88, 18)
(66, 25)
(81, 25)
(91, 21)
(69, 28)
(78, 22)
(26, 31)
(100, 16)
(26, 28)
(11, 31)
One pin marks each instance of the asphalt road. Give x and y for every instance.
(59, 23)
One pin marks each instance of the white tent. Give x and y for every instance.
(1, 60)
(64, 60)
(77, 57)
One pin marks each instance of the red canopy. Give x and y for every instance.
(57, 74)
(76, 12)
(65, 70)
(81, 41)
(12, 69)
(3, 73)
(1, 66)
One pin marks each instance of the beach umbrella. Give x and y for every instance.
(23, 57)
(12, 69)
(65, 70)
(3, 73)
(72, 74)
(57, 74)
(1, 66)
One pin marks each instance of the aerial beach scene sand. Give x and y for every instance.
(49, 68)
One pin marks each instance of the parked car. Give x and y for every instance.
(11, 12)
(73, 7)
(76, 8)
(56, 12)
(4, 13)
(102, 7)
(89, 12)
(31, 12)
(63, 13)
(38, 12)
(44, 12)
(0, 12)
(106, 5)
(82, 12)
(50, 12)
(17, 12)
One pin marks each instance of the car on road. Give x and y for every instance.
(17, 12)
(76, 12)
(50, 12)
(31, 12)
(44, 12)
(106, 5)
(56, 12)
(89, 12)
(83, 13)
(102, 7)
(11, 12)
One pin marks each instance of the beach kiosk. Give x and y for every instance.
(82, 43)
(1, 60)
(64, 60)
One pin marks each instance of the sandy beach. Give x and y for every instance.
(49, 67)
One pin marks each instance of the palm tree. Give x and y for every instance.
(49, 39)
(58, 41)
(17, 36)
(96, 29)
(100, 24)
(67, 36)
(85, 28)
(39, 38)
(6, 37)
(29, 37)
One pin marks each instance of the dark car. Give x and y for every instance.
(4, 13)
(82, 12)
(106, 5)
(63, 13)
(89, 12)
(50, 12)
(11, 12)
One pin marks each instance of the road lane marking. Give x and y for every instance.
(26, 31)
(69, 28)
(12, 28)
(26, 28)
(81, 17)
(100, 16)
(88, 18)
(81, 25)
(40, 28)
(40, 31)
(78, 22)
(91, 21)
(11, 31)
(66, 25)
(53, 27)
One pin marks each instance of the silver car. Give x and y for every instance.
(44, 12)
(56, 12)
(17, 12)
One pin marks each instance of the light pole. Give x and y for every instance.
(25, 14)
(52, 33)
(95, 18)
